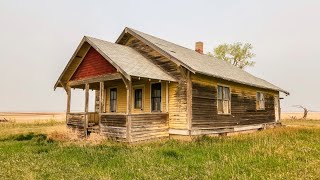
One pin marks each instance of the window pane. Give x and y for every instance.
(156, 97)
(220, 106)
(138, 98)
(226, 93)
(113, 100)
(220, 92)
(226, 106)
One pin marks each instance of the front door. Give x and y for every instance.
(276, 108)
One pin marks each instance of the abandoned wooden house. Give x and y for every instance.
(147, 88)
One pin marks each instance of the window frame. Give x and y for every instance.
(134, 88)
(116, 100)
(229, 104)
(258, 106)
(161, 91)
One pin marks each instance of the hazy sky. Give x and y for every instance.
(37, 39)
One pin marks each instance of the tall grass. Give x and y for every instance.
(281, 153)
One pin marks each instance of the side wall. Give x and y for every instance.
(243, 104)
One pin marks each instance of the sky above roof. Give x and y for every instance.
(38, 38)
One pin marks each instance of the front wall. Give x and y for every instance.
(243, 104)
(122, 95)
(149, 126)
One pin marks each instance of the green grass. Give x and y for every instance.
(281, 153)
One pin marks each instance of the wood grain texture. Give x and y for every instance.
(149, 126)
(243, 105)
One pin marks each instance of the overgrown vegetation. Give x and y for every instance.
(281, 153)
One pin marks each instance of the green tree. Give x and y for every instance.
(237, 54)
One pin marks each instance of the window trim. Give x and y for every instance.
(142, 87)
(151, 83)
(109, 99)
(217, 88)
(264, 101)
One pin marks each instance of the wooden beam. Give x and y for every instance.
(128, 84)
(167, 97)
(101, 101)
(68, 89)
(106, 77)
(86, 104)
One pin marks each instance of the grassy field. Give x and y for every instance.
(44, 150)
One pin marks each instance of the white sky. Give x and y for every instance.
(37, 39)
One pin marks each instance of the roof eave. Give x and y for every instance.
(248, 84)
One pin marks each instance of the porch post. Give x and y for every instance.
(101, 100)
(86, 104)
(129, 102)
(68, 99)
(86, 109)
(128, 84)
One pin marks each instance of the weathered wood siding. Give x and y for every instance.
(114, 126)
(76, 121)
(243, 104)
(149, 126)
(121, 95)
(177, 91)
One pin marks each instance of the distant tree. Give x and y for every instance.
(237, 54)
(305, 111)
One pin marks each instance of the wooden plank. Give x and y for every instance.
(107, 77)
(101, 100)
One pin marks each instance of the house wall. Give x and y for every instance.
(93, 64)
(177, 90)
(122, 95)
(243, 104)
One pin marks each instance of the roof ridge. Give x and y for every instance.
(168, 41)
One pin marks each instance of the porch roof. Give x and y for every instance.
(125, 59)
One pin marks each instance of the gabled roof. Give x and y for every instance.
(125, 59)
(201, 63)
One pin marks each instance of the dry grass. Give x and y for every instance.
(299, 115)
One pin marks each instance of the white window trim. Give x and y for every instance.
(258, 108)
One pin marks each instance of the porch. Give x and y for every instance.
(118, 114)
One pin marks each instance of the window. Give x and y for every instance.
(260, 101)
(113, 99)
(156, 97)
(223, 100)
(138, 98)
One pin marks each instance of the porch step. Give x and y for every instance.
(94, 129)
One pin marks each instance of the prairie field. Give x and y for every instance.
(46, 149)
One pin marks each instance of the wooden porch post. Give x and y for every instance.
(86, 109)
(128, 84)
(101, 101)
(68, 99)
(86, 102)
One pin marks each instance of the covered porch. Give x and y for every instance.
(124, 110)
